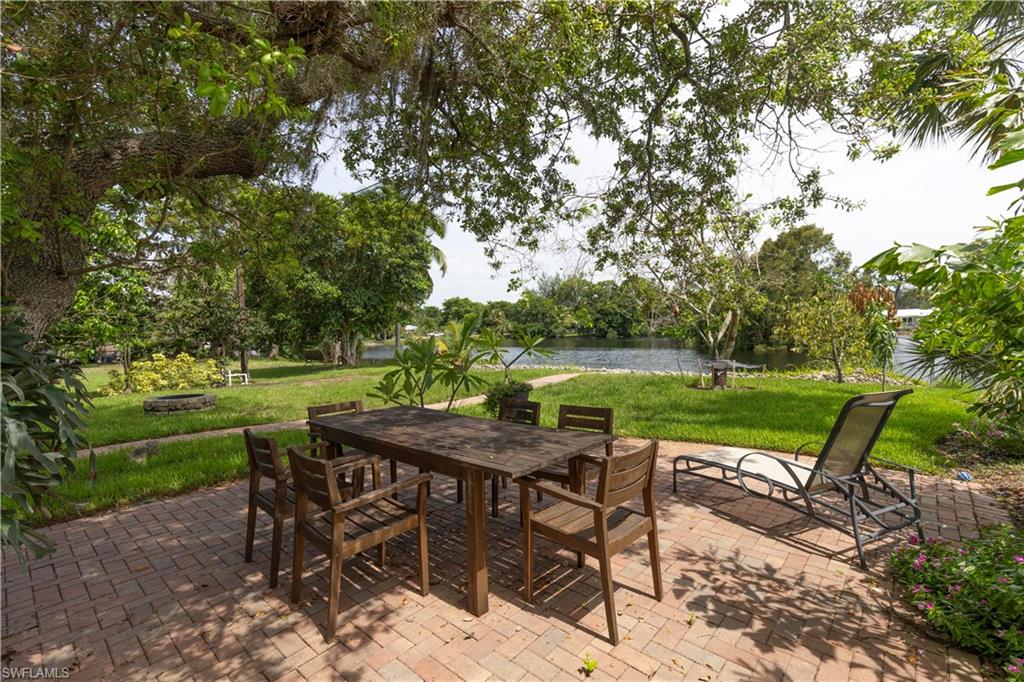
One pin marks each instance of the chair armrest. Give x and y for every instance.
(589, 459)
(800, 448)
(889, 464)
(303, 448)
(381, 493)
(349, 462)
(559, 493)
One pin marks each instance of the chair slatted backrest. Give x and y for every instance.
(583, 418)
(519, 411)
(314, 411)
(858, 426)
(264, 456)
(625, 475)
(314, 478)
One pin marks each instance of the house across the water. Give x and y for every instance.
(911, 317)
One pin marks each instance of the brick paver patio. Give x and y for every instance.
(160, 590)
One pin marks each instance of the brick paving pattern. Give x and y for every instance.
(753, 592)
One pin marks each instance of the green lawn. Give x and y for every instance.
(281, 391)
(172, 469)
(778, 414)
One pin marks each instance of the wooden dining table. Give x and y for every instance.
(468, 448)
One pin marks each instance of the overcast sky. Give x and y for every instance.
(934, 195)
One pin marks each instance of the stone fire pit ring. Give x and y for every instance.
(182, 402)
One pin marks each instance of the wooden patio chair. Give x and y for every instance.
(315, 436)
(265, 462)
(520, 412)
(579, 418)
(340, 528)
(841, 489)
(600, 526)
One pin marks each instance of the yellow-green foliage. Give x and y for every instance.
(161, 373)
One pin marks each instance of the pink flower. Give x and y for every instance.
(1013, 669)
(912, 539)
(926, 606)
(1002, 579)
(917, 589)
(953, 589)
(1018, 559)
(919, 562)
(931, 540)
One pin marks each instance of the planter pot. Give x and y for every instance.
(521, 395)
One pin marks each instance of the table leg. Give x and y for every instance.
(476, 516)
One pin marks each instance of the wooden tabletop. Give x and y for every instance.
(495, 447)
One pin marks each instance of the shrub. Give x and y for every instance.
(42, 410)
(501, 390)
(161, 373)
(974, 593)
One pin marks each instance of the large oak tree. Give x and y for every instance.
(466, 106)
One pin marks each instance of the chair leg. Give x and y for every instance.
(494, 496)
(334, 596)
(459, 492)
(375, 473)
(250, 530)
(393, 466)
(275, 548)
(382, 553)
(652, 545)
(424, 471)
(526, 516)
(675, 485)
(421, 544)
(504, 482)
(609, 597)
(297, 552)
(856, 528)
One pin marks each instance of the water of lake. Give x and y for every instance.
(649, 354)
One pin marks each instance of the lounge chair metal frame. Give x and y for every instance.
(807, 493)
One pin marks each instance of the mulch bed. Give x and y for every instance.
(999, 469)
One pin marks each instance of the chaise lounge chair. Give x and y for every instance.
(837, 489)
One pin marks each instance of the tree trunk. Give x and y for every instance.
(40, 279)
(243, 352)
(837, 362)
(398, 336)
(349, 347)
(126, 365)
(729, 344)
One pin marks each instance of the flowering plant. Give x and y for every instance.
(973, 592)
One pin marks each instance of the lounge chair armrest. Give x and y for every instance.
(801, 447)
(786, 463)
(381, 493)
(889, 464)
(559, 493)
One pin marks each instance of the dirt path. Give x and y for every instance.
(301, 423)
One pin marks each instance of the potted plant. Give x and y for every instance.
(520, 390)
(493, 343)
